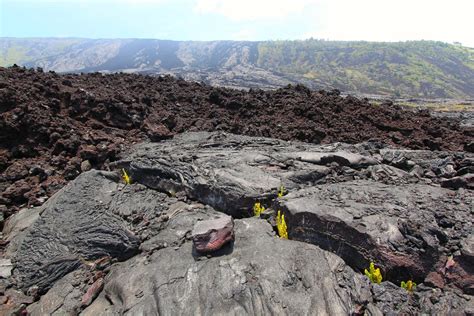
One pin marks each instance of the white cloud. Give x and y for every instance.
(239, 10)
(371, 20)
(389, 20)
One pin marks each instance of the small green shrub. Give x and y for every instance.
(373, 274)
(410, 286)
(126, 178)
(258, 209)
(281, 226)
(281, 191)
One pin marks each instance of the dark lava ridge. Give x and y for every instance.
(53, 127)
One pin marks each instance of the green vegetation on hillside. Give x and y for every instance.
(416, 69)
(22, 51)
(409, 69)
(12, 55)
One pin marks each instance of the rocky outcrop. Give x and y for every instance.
(407, 229)
(377, 203)
(106, 248)
(261, 275)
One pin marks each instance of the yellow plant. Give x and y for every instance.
(126, 178)
(281, 226)
(373, 274)
(410, 286)
(258, 209)
(281, 191)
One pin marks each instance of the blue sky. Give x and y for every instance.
(379, 20)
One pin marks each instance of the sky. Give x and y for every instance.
(370, 20)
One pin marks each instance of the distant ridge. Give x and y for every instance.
(424, 69)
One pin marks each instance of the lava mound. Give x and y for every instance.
(183, 238)
(53, 127)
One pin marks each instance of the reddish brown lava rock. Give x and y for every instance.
(434, 279)
(14, 302)
(449, 271)
(212, 235)
(92, 292)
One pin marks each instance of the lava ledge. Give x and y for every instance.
(377, 203)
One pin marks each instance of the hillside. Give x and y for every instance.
(406, 69)
(429, 69)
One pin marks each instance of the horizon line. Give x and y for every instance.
(232, 40)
